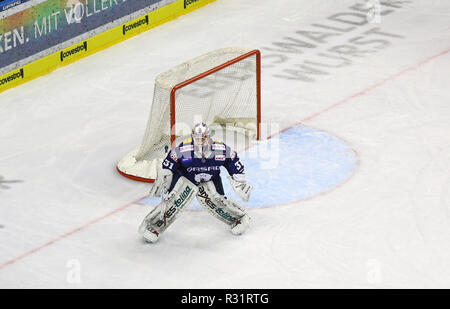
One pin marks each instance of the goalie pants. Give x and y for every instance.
(217, 181)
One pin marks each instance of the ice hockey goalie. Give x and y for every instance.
(192, 169)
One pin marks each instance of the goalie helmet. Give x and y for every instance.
(201, 137)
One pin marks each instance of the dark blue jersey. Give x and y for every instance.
(184, 161)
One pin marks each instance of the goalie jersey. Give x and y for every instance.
(184, 161)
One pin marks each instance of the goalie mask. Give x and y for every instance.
(201, 138)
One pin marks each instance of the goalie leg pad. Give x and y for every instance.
(241, 225)
(224, 209)
(165, 213)
(162, 183)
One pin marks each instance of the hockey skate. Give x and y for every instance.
(150, 235)
(241, 225)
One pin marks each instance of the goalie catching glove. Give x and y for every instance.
(240, 186)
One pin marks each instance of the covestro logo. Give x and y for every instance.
(189, 2)
(11, 77)
(137, 24)
(80, 48)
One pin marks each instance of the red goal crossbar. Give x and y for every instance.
(256, 53)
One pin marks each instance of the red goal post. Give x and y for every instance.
(223, 87)
(255, 53)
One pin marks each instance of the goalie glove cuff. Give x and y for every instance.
(239, 177)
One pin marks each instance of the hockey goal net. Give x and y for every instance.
(221, 88)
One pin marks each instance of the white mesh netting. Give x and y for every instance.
(225, 97)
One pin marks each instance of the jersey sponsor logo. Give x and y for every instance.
(218, 147)
(136, 24)
(220, 157)
(202, 177)
(186, 148)
(73, 51)
(201, 169)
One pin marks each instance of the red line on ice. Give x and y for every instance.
(376, 85)
(18, 258)
(347, 99)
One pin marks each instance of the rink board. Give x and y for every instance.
(98, 42)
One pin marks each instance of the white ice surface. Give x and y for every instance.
(388, 226)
